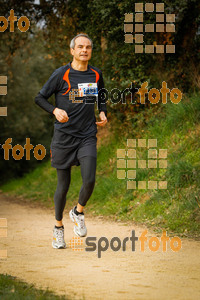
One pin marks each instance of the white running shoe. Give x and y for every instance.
(79, 220)
(58, 238)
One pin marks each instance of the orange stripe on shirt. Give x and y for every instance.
(66, 78)
(97, 74)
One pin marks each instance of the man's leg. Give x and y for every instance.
(88, 172)
(64, 177)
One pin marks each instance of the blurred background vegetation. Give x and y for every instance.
(28, 59)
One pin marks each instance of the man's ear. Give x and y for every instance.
(72, 51)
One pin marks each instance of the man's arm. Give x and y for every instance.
(50, 87)
(101, 104)
(44, 103)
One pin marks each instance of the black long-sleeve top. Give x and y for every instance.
(62, 82)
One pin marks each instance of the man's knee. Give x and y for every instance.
(89, 184)
(61, 191)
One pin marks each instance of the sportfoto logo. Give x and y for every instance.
(84, 89)
(23, 23)
(18, 150)
(152, 158)
(116, 244)
(76, 244)
(115, 95)
(159, 26)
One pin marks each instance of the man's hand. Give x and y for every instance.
(102, 118)
(61, 115)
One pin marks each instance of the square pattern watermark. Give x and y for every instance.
(76, 244)
(128, 164)
(135, 31)
(73, 94)
(3, 92)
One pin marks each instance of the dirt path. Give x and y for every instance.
(116, 275)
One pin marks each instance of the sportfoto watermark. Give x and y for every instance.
(18, 148)
(116, 96)
(3, 234)
(116, 244)
(23, 23)
(163, 23)
(76, 243)
(153, 243)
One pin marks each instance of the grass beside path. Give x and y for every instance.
(12, 288)
(176, 209)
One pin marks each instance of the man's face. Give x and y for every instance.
(82, 50)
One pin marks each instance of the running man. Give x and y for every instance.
(74, 139)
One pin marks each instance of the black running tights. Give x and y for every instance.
(88, 171)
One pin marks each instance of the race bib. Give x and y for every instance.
(87, 89)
